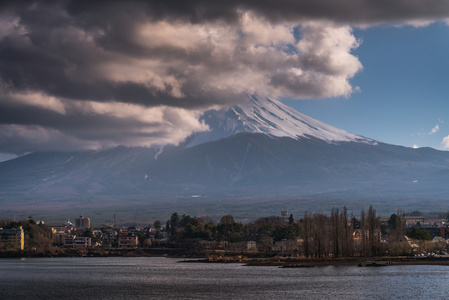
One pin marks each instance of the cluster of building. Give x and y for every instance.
(437, 228)
(74, 235)
(71, 235)
(12, 239)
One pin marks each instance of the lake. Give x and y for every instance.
(167, 278)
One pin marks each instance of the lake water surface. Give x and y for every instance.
(166, 278)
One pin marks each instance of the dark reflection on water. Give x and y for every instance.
(165, 278)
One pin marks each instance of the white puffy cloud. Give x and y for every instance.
(445, 142)
(434, 129)
(259, 31)
(323, 64)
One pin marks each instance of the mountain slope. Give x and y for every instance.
(257, 159)
(259, 114)
(242, 161)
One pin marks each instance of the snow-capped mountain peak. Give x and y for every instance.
(260, 114)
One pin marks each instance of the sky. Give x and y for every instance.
(78, 75)
(404, 88)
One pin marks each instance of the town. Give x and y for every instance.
(339, 234)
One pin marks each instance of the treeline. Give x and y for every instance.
(186, 231)
(339, 234)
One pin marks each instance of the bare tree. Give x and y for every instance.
(336, 233)
(321, 235)
(341, 233)
(373, 232)
(307, 234)
(364, 228)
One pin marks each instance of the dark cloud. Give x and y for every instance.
(344, 11)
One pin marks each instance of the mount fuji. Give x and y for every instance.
(258, 150)
(259, 114)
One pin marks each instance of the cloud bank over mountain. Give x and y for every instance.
(94, 74)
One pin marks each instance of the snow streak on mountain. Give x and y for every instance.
(271, 117)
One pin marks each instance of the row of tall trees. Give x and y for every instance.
(370, 232)
(341, 235)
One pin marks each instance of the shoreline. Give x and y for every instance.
(322, 262)
(192, 257)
